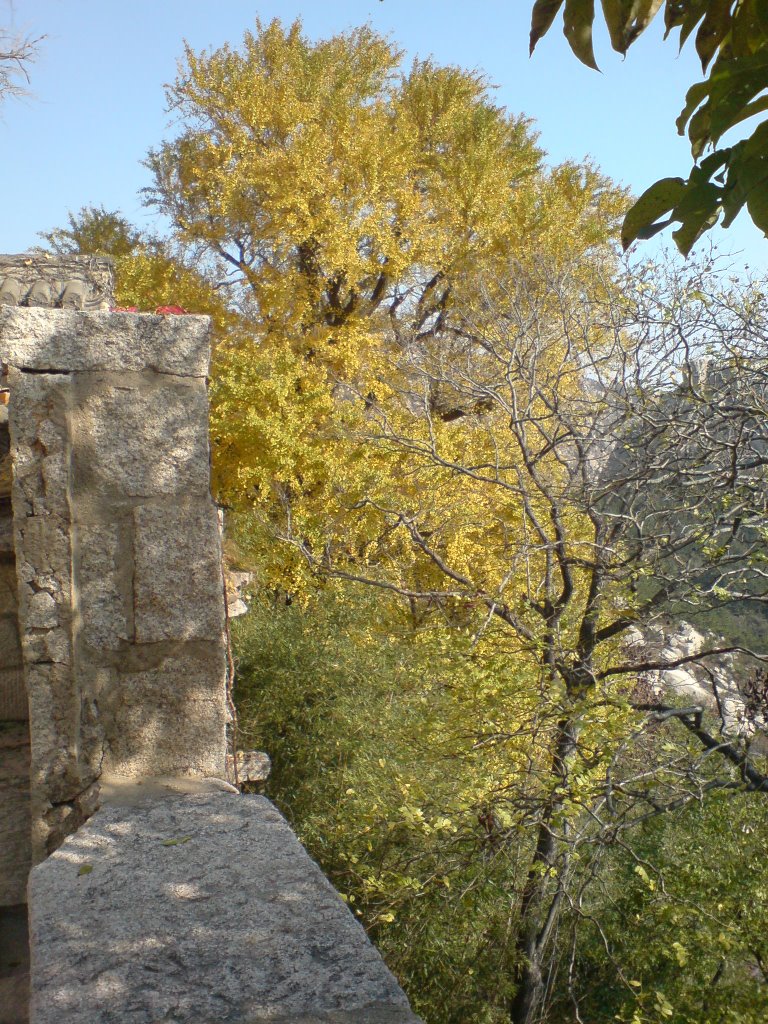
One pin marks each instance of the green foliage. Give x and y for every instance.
(374, 730)
(94, 231)
(682, 922)
(735, 34)
(405, 758)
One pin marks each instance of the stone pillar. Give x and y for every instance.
(117, 554)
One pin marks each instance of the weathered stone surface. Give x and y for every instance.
(14, 812)
(54, 711)
(252, 766)
(13, 695)
(49, 645)
(108, 437)
(38, 424)
(41, 611)
(237, 584)
(73, 340)
(43, 543)
(178, 583)
(85, 281)
(8, 599)
(103, 577)
(198, 909)
(139, 438)
(170, 720)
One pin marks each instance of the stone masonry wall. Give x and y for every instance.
(118, 554)
(14, 710)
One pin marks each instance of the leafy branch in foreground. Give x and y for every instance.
(733, 33)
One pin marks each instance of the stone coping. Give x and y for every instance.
(72, 341)
(181, 907)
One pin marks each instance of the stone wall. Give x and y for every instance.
(118, 557)
(14, 710)
(13, 700)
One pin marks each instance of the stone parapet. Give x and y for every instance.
(197, 908)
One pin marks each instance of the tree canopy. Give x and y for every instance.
(343, 205)
(731, 39)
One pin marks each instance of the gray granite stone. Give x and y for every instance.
(76, 340)
(252, 766)
(102, 584)
(138, 438)
(179, 592)
(198, 908)
(38, 424)
(171, 719)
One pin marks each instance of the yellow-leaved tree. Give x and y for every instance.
(344, 207)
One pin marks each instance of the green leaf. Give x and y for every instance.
(691, 13)
(615, 13)
(627, 19)
(85, 869)
(657, 200)
(713, 163)
(748, 179)
(697, 210)
(700, 130)
(578, 19)
(542, 16)
(756, 107)
(695, 95)
(733, 84)
(642, 13)
(713, 29)
(749, 27)
(176, 842)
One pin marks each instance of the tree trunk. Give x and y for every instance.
(539, 906)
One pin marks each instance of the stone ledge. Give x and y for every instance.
(198, 907)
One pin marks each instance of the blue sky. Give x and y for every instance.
(98, 101)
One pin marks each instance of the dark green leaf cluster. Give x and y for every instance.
(733, 34)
